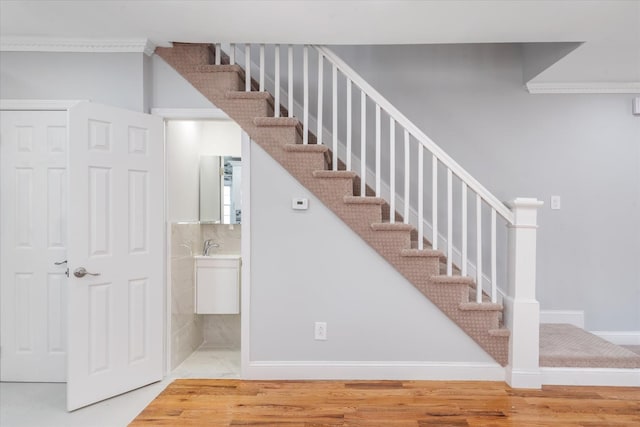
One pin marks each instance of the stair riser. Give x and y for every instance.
(350, 213)
(333, 189)
(244, 111)
(184, 56)
(280, 135)
(448, 294)
(479, 322)
(215, 85)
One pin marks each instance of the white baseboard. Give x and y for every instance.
(521, 378)
(591, 377)
(620, 337)
(572, 317)
(365, 370)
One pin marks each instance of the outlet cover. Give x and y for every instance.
(320, 331)
(555, 203)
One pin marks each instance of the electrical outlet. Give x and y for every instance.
(555, 202)
(321, 331)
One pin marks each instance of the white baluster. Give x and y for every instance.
(232, 54)
(434, 201)
(478, 248)
(464, 229)
(305, 107)
(261, 68)
(378, 150)
(420, 196)
(290, 78)
(218, 53)
(247, 67)
(392, 170)
(349, 112)
(406, 177)
(334, 119)
(494, 273)
(276, 99)
(320, 93)
(363, 143)
(449, 222)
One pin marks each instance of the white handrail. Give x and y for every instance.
(403, 121)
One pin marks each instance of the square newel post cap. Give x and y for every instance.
(525, 211)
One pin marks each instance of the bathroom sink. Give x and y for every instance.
(218, 256)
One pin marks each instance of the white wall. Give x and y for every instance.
(187, 140)
(171, 90)
(308, 266)
(585, 148)
(108, 78)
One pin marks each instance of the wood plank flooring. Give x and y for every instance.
(387, 403)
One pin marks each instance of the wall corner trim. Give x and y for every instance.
(582, 87)
(85, 45)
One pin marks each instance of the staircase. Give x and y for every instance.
(404, 245)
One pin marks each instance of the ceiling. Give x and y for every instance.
(606, 27)
(327, 21)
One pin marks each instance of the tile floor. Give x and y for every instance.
(43, 404)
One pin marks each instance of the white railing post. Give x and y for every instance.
(276, 94)
(305, 95)
(522, 310)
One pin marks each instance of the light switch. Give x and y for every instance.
(300, 204)
(555, 202)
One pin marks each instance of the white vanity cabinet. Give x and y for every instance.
(217, 284)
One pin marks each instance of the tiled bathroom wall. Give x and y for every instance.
(186, 326)
(189, 330)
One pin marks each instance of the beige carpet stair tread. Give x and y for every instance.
(427, 253)
(334, 174)
(568, 346)
(444, 279)
(483, 306)
(276, 121)
(387, 226)
(310, 148)
(356, 200)
(502, 332)
(208, 68)
(248, 95)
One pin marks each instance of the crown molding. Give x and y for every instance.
(38, 104)
(52, 44)
(584, 87)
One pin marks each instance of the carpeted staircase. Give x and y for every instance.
(369, 216)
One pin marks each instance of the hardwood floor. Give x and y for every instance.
(387, 403)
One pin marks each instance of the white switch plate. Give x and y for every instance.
(300, 203)
(320, 332)
(555, 203)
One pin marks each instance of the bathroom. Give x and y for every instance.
(204, 211)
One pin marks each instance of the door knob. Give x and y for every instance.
(81, 272)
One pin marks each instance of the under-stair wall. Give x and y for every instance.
(377, 322)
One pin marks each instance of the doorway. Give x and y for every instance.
(204, 163)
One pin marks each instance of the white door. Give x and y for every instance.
(116, 216)
(33, 153)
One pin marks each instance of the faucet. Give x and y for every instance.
(208, 244)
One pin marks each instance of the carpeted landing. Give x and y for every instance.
(568, 346)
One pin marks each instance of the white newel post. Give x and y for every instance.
(522, 311)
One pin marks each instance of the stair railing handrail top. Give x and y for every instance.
(427, 142)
